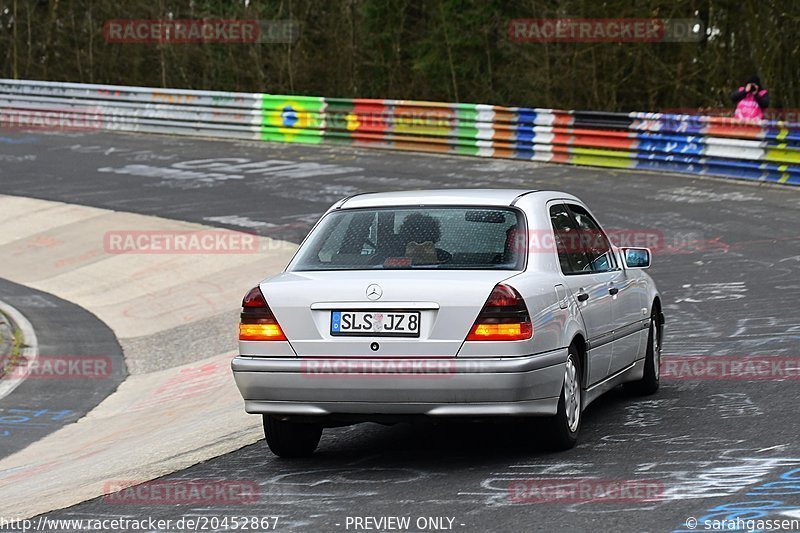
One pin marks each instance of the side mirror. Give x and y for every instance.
(636, 257)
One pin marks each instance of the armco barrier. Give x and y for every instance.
(765, 150)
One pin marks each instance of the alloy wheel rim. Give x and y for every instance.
(656, 347)
(572, 395)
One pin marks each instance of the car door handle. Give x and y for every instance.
(582, 297)
(613, 290)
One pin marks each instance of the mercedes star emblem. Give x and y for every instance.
(374, 291)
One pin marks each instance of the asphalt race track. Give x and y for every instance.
(43, 402)
(727, 263)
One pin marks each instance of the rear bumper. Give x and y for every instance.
(490, 386)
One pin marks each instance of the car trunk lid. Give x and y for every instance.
(448, 302)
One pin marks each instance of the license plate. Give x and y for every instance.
(375, 323)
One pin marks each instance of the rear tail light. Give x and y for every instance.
(504, 317)
(257, 321)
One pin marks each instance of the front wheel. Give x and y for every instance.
(291, 439)
(566, 424)
(652, 363)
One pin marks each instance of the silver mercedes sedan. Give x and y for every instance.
(448, 303)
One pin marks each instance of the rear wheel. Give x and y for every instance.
(565, 425)
(291, 439)
(652, 363)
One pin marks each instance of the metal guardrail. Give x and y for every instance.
(764, 150)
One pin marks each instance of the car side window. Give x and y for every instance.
(593, 241)
(571, 256)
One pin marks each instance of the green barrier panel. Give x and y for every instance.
(297, 119)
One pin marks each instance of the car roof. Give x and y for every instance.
(493, 197)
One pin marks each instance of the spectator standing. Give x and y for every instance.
(751, 99)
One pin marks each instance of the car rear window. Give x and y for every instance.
(446, 238)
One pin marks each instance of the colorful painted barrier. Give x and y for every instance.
(764, 151)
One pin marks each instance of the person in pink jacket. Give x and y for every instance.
(750, 99)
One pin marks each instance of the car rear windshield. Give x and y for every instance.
(445, 238)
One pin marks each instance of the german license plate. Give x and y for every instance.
(375, 323)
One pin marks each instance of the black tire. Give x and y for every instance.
(562, 434)
(291, 439)
(652, 361)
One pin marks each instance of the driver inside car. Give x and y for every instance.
(420, 233)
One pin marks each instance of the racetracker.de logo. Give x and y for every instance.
(54, 118)
(697, 118)
(59, 367)
(413, 368)
(621, 30)
(180, 242)
(576, 241)
(181, 492)
(183, 31)
(585, 490)
(730, 368)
